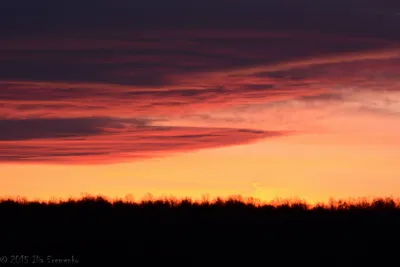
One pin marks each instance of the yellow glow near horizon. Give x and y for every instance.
(286, 167)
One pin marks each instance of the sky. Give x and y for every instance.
(190, 98)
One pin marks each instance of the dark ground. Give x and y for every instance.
(230, 233)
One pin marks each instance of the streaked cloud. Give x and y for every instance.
(106, 140)
(79, 89)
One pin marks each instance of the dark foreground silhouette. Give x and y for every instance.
(93, 231)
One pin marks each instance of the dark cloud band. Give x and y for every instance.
(99, 140)
(82, 82)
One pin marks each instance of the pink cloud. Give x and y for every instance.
(102, 140)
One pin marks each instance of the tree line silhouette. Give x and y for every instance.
(228, 232)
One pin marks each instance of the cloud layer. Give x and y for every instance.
(105, 140)
(84, 84)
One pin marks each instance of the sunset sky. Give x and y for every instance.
(272, 98)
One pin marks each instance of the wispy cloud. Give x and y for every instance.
(105, 140)
(75, 89)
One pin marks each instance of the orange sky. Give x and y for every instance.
(279, 168)
(351, 156)
(260, 100)
(340, 144)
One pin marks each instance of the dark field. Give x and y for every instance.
(232, 232)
